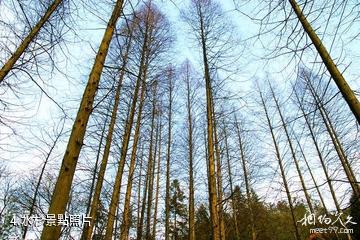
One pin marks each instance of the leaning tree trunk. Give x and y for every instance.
(282, 170)
(141, 77)
(62, 188)
(340, 81)
(88, 229)
(335, 140)
(9, 65)
(318, 151)
(292, 150)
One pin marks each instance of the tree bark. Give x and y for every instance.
(337, 144)
(292, 150)
(61, 192)
(210, 141)
(246, 178)
(231, 184)
(88, 229)
(340, 81)
(282, 170)
(152, 158)
(157, 182)
(191, 157)
(124, 233)
(168, 157)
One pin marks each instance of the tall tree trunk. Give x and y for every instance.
(335, 140)
(140, 226)
(210, 141)
(318, 151)
(88, 229)
(312, 175)
(61, 192)
(191, 157)
(141, 77)
(152, 157)
(218, 176)
(292, 150)
(340, 81)
(157, 182)
(8, 66)
(168, 157)
(282, 170)
(246, 178)
(237, 236)
(124, 234)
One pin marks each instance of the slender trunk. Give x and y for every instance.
(33, 200)
(312, 176)
(140, 226)
(191, 158)
(231, 183)
(246, 178)
(62, 188)
(168, 157)
(282, 170)
(88, 229)
(116, 191)
(157, 184)
(96, 165)
(219, 177)
(340, 81)
(318, 151)
(335, 140)
(9, 65)
(139, 185)
(126, 213)
(292, 150)
(152, 158)
(210, 133)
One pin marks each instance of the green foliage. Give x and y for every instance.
(178, 211)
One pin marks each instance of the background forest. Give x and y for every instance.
(196, 119)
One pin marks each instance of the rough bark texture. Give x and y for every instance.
(340, 81)
(61, 193)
